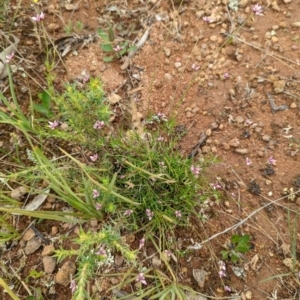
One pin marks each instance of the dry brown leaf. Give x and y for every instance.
(285, 248)
(114, 98)
(254, 262)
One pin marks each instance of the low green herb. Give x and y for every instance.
(238, 245)
(109, 45)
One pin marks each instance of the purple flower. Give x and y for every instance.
(226, 75)
(73, 286)
(195, 67)
(248, 161)
(207, 19)
(53, 124)
(222, 269)
(248, 122)
(195, 170)
(149, 214)
(216, 185)
(98, 206)
(85, 78)
(257, 9)
(101, 252)
(272, 161)
(162, 116)
(9, 57)
(118, 48)
(95, 193)
(141, 278)
(98, 125)
(94, 157)
(142, 243)
(38, 18)
(178, 214)
(128, 212)
(227, 288)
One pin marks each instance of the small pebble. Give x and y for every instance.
(49, 264)
(168, 76)
(177, 64)
(241, 151)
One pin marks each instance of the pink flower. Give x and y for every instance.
(227, 288)
(207, 19)
(248, 122)
(86, 78)
(95, 193)
(94, 157)
(53, 124)
(38, 18)
(272, 161)
(98, 125)
(128, 212)
(162, 116)
(195, 170)
(73, 286)
(149, 214)
(226, 75)
(160, 138)
(178, 214)
(222, 269)
(257, 9)
(248, 161)
(141, 278)
(215, 185)
(142, 243)
(9, 57)
(118, 48)
(101, 252)
(195, 67)
(168, 253)
(98, 206)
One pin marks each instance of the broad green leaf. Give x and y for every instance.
(224, 254)
(107, 47)
(103, 35)
(41, 109)
(45, 97)
(242, 248)
(108, 58)
(235, 238)
(234, 258)
(132, 48)
(244, 239)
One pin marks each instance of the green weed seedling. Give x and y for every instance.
(108, 46)
(43, 107)
(239, 244)
(70, 27)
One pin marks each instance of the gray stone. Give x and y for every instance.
(49, 264)
(32, 246)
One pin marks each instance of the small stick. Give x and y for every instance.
(139, 44)
(273, 105)
(242, 221)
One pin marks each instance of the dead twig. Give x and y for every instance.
(244, 220)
